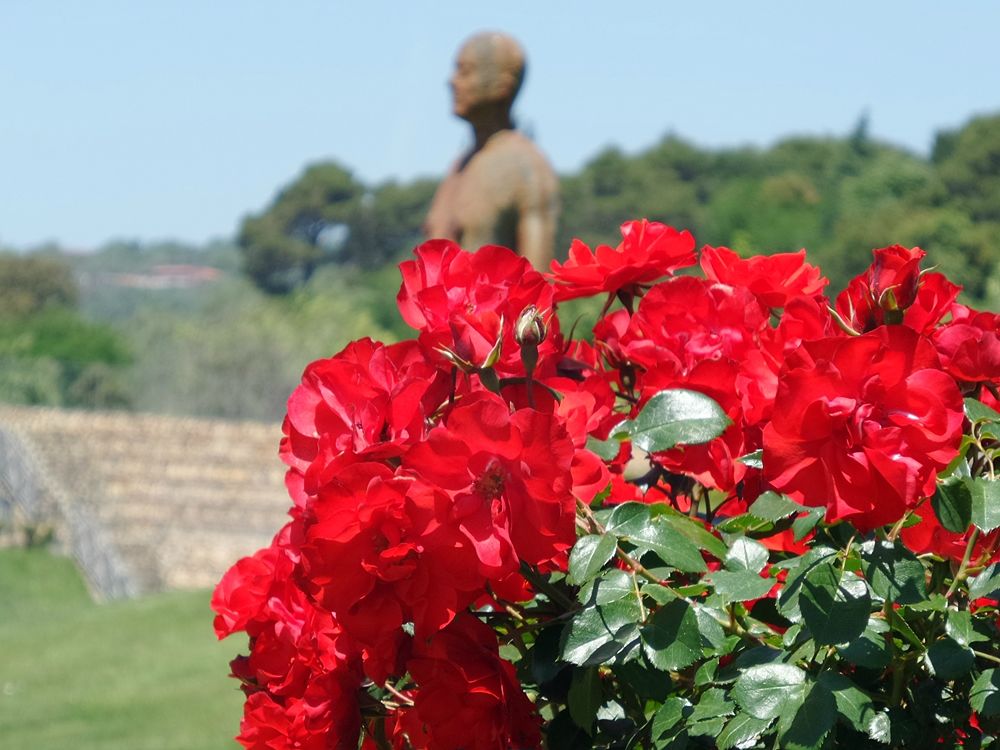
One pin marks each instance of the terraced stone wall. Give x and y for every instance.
(142, 502)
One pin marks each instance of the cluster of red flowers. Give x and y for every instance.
(432, 478)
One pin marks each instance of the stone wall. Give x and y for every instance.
(142, 502)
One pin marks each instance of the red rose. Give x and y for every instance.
(894, 291)
(863, 425)
(467, 302)
(648, 251)
(327, 717)
(243, 593)
(370, 400)
(509, 479)
(930, 536)
(935, 299)
(468, 697)
(704, 336)
(685, 321)
(379, 551)
(970, 347)
(773, 279)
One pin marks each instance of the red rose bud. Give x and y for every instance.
(883, 293)
(530, 327)
(893, 276)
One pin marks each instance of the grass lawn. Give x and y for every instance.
(135, 675)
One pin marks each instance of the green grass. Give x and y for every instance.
(137, 675)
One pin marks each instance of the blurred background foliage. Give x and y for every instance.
(226, 329)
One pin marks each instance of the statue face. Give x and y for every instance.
(468, 82)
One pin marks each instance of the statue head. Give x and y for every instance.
(488, 74)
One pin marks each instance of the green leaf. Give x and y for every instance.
(712, 634)
(666, 718)
(901, 627)
(986, 584)
(985, 695)
(709, 727)
(670, 546)
(936, 602)
(671, 640)
(658, 593)
(562, 732)
(985, 503)
(978, 412)
(893, 572)
(585, 697)
(596, 634)
(692, 529)
(744, 524)
(613, 585)
(739, 586)
(589, 555)
(813, 720)
(605, 449)
(628, 518)
(712, 703)
(763, 691)
(788, 599)
(677, 417)
(805, 523)
(648, 682)
(869, 650)
(880, 728)
(754, 460)
(746, 554)
(960, 627)
(952, 503)
(771, 506)
(949, 660)
(742, 730)
(834, 608)
(853, 705)
(706, 673)
(545, 664)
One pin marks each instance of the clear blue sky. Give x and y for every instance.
(173, 118)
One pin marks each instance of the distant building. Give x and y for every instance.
(180, 276)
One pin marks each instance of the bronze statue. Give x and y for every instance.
(503, 191)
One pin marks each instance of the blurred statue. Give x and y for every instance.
(502, 191)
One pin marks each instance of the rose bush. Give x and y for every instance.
(734, 515)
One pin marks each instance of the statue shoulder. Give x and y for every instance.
(516, 152)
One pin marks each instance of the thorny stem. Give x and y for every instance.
(962, 568)
(402, 698)
(381, 741)
(598, 528)
(847, 554)
(897, 527)
(607, 305)
(898, 673)
(540, 584)
(984, 655)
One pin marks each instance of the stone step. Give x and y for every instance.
(180, 499)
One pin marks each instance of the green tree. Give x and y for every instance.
(284, 245)
(968, 161)
(29, 283)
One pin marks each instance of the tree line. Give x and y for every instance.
(838, 197)
(316, 268)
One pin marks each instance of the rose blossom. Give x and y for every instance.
(509, 477)
(468, 697)
(773, 279)
(863, 425)
(466, 303)
(648, 251)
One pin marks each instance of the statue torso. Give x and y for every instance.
(480, 201)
